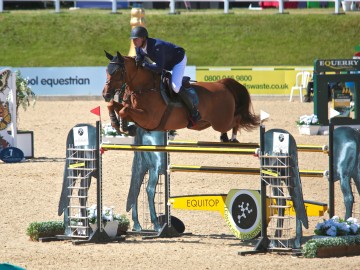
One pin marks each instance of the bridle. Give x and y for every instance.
(126, 80)
(121, 79)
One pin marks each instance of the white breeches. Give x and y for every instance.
(178, 74)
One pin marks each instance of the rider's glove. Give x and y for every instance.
(139, 60)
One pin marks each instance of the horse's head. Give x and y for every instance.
(115, 75)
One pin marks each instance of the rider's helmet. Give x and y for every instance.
(139, 32)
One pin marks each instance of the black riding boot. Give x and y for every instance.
(191, 100)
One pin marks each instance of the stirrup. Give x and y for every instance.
(193, 119)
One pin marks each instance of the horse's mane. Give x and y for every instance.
(118, 62)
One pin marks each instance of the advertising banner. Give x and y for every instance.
(71, 81)
(258, 80)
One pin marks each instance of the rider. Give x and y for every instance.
(168, 56)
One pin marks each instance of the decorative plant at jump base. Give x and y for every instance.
(308, 124)
(336, 237)
(308, 120)
(24, 95)
(108, 215)
(38, 230)
(338, 227)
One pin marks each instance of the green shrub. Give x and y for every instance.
(124, 222)
(38, 230)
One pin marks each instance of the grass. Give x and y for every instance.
(211, 38)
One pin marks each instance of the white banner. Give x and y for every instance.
(71, 81)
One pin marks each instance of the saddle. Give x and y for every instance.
(170, 98)
(166, 90)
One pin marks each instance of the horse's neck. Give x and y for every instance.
(141, 78)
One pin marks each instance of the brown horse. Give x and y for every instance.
(224, 104)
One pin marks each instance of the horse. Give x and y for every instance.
(272, 137)
(153, 163)
(346, 161)
(224, 105)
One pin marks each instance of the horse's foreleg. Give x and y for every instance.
(150, 189)
(141, 117)
(114, 107)
(347, 193)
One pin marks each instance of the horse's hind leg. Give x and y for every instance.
(224, 137)
(233, 136)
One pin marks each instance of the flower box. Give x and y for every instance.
(309, 129)
(327, 246)
(338, 251)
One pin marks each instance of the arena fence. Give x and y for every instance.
(172, 3)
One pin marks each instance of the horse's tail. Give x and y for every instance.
(244, 111)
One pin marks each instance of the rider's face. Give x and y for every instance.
(139, 42)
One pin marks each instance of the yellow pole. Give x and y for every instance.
(137, 19)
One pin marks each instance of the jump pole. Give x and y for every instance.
(300, 147)
(238, 170)
(178, 149)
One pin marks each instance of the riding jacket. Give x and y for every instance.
(165, 54)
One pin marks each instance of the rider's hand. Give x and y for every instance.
(139, 60)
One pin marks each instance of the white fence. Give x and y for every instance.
(172, 3)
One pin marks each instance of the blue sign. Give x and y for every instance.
(11, 155)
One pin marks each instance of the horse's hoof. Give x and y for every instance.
(234, 141)
(224, 137)
(132, 130)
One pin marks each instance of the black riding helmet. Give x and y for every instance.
(139, 32)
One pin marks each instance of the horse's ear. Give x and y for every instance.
(120, 57)
(108, 55)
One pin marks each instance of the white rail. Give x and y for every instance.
(172, 3)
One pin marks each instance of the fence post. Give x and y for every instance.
(337, 4)
(1, 6)
(281, 6)
(57, 6)
(114, 6)
(172, 6)
(226, 6)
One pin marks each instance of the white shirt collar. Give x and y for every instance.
(145, 48)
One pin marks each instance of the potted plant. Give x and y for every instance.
(114, 224)
(308, 124)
